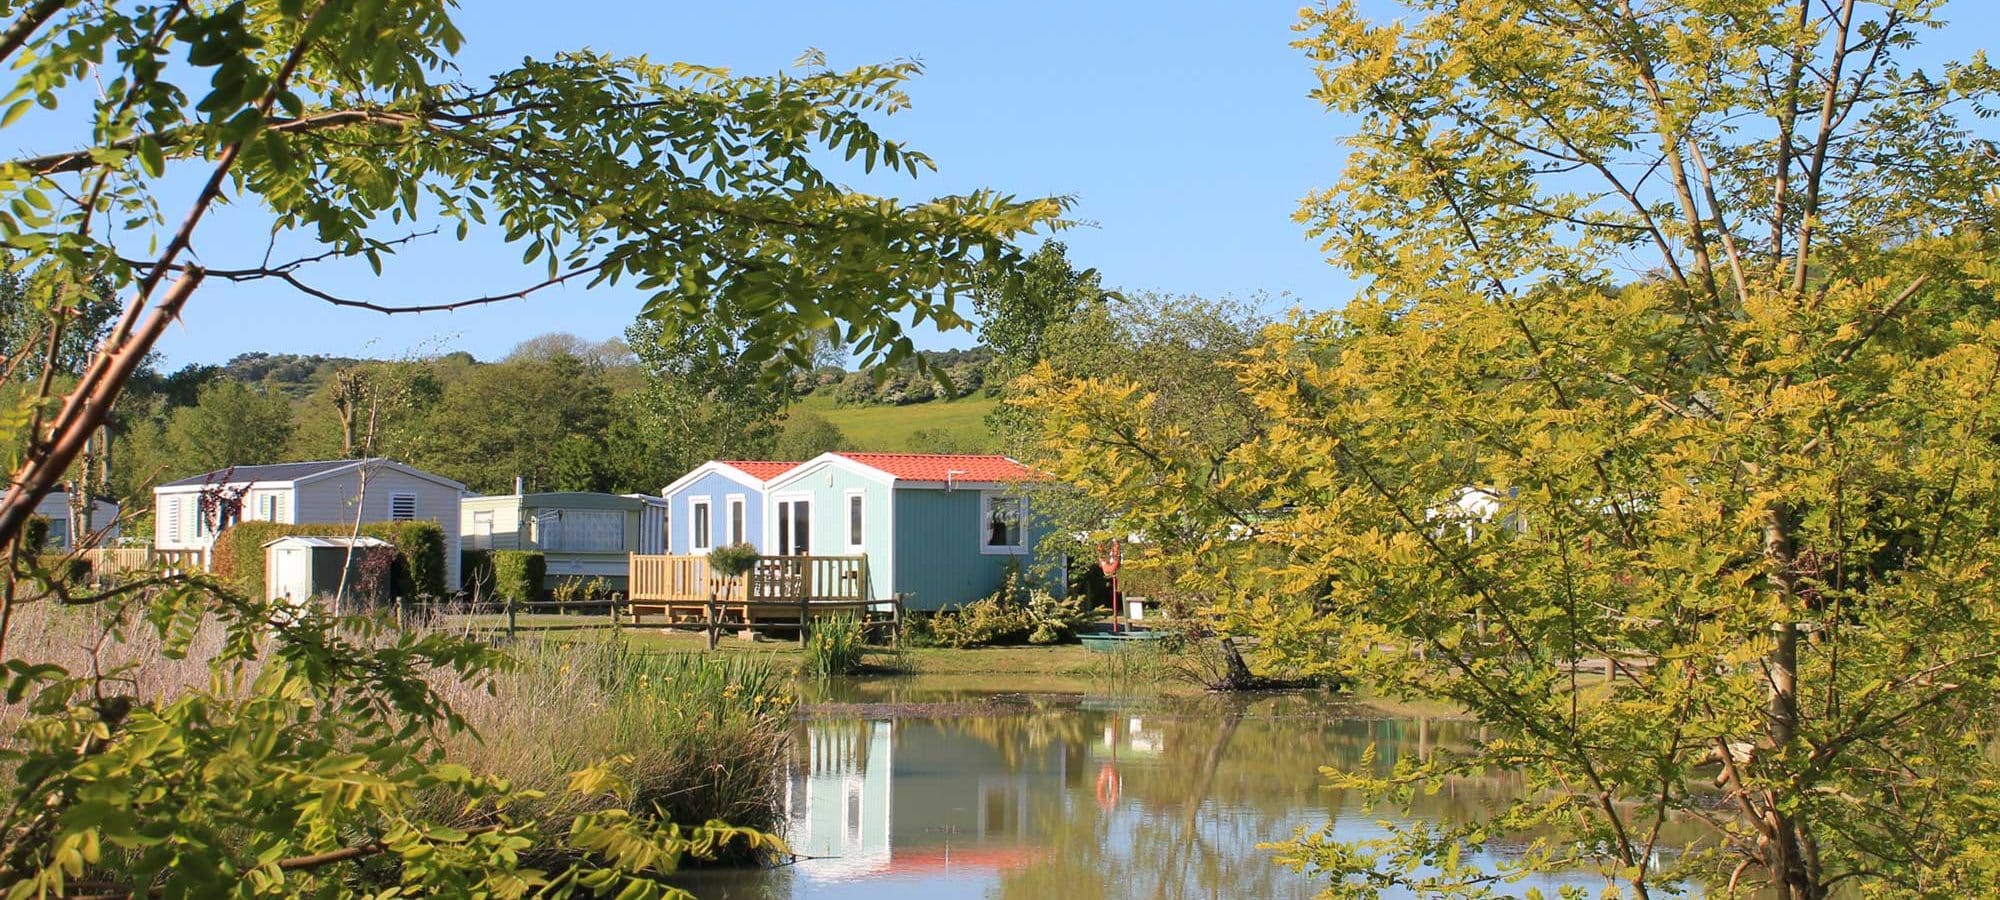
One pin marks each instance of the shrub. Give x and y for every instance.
(998, 619)
(1011, 614)
(417, 572)
(733, 559)
(577, 589)
(518, 575)
(475, 572)
(35, 535)
(834, 646)
(1056, 619)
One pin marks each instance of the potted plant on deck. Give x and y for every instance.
(730, 562)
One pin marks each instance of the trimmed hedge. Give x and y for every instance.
(518, 575)
(419, 569)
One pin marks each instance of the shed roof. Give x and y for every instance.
(945, 466)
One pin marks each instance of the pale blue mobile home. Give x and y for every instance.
(721, 502)
(940, 530)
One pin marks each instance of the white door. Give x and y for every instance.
(794, 528)
(291, 575)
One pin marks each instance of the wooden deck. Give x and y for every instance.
(781, 589)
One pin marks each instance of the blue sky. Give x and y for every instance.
(1182, 129)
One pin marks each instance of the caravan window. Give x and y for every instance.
(582, 531)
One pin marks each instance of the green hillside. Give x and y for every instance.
(954, 426)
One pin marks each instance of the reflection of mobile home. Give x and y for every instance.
(837, 802)
(870, 797)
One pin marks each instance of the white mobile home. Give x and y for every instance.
(339, 491)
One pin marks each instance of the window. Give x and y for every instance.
(581, 530)
(271, 506)
(170, 519)
(855, 518)
(482, 530)
(402, 507)
(736, 518)
(1000, 525)
(699, 534)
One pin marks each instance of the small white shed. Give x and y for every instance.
(300, 569)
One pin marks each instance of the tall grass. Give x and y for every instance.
(1136, 670)
(835, 646)
(706, 734)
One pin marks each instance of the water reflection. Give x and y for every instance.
(1055, 797)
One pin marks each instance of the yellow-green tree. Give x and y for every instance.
(1677, 348)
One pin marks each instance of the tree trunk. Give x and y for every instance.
(1239, 671)
(1788, 841)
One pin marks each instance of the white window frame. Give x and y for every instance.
(700, 539)
(739, 519)
(271, 506)
(403, 495)
(853, 539)
(986, 515)
(482, 540)
(774, 545)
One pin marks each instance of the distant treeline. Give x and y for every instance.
(952, 374)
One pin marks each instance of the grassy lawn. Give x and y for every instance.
(887, 428)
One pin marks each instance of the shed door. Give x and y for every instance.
(291, 574)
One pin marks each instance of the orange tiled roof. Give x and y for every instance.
(946, 466)
(760, 469)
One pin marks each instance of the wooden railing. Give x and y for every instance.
(106, 561)
(677, 580)
(185, 560)
(779, 589)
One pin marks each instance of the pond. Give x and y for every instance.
(912, 793)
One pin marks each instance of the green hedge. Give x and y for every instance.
(419, 571)
(518, 575)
